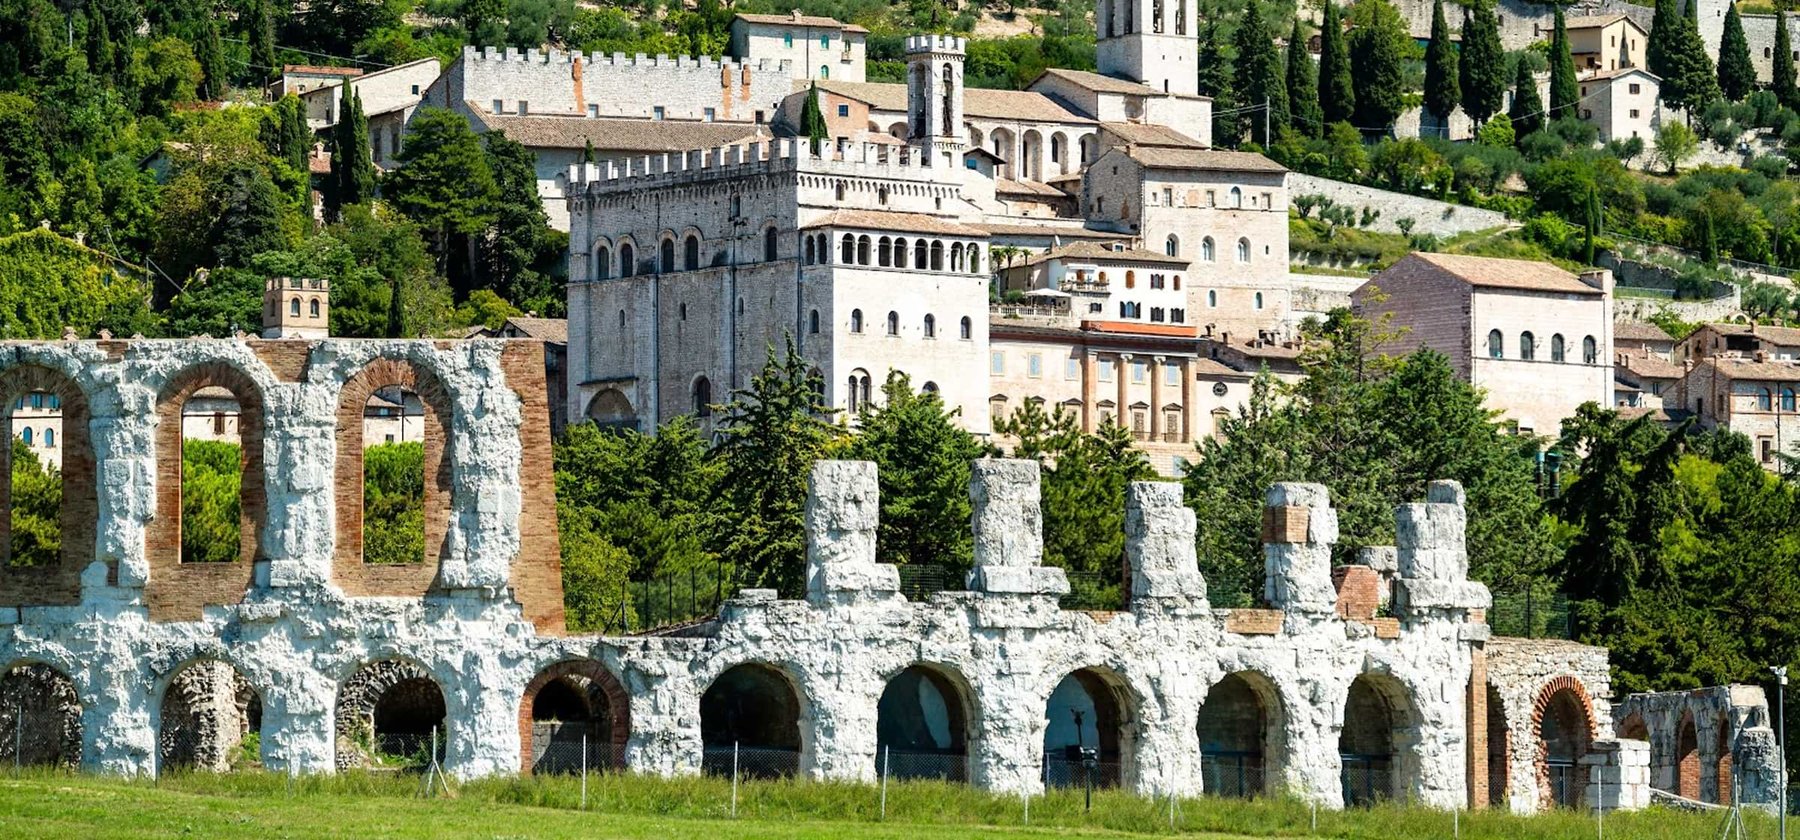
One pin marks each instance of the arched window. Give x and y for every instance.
(974, 252)
(25, 435)
(1243, 250)
(1557, 352)
(294, 307)
(899, 253)
(702, 397)
(50, 433)
(1765, 401)
(1130, 279)
(1172, 246)
(690, 253)
(856, 320)
(931, 326)
(602, 263)
(824, 71)
(1177, 282)
(1237, 198)
(956, 258)
(862, 250)
(1590, 352)
(1212, 297)
(967, 328)
(937, 255)
(1496, 345)
(787, 40)
(1527, 346)
(769, 244)
(666, 263)
(1259, 300)
(884, 251)
(811, 257)
(848, 251)
(921, 255)
(313, 307)
(1787, 404)
(840, 191)
(812, 322)
(1206, 249)
(824, 249)
(893, 323)
(627, 261)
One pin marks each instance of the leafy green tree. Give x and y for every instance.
(352, 170)
(211, 501)
(1215, 81)
(164, 73)
(1591, 228)
(594, 575)
(1675, 143)
(769, 437)
(249, 216)
(1497, 133)
(517, 254)
(923, 456)
(812, 121)
(1709, 239)
(1736, 75)
(1303, 86)
(36, 526)
(651, 496)
(210, 54)
(1565, 95)
(259, 31)
(1783, 78)
(445, 184)
(1527, 112)
(394, 502)
(376, 253)
(217, 303)
(48, 282)
(1337, 88)
(1257, 76)
(1443, 91)
(1482, 64)
(1379, 49)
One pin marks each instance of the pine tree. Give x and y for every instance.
(211, 55)
(1664, 40)
(1258, 78)
(1337, 90)
(1565, 95)
(443, 183)
(1442, 91)
(1215, 81)
(352, 171)
(1378, 46)
(923, 456)
(1303, 86)
(1527, 112)
(510, 252)
(1736, 75)
(1783, 83)
(1482, 65)
(812, 121)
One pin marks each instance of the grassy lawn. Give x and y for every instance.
(355, 805)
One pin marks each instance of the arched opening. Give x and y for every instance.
(899, 252)
(893, 323)
(211, 720)
(1722, 784)
(665, 262)
(390, 539)
(313, 308)
(388, 715)
(856, 320)
(937, 255)
(1032, 156)
(771, 244)
(922, 727)
(1565, 733)
(569, 708)
(921, 255)
(965, 329)
(602, 263)
(1687, 758)
(690, 253)
(1374, 743)
(848, 249)
(863, 250)
(750, 717)
(46, 538)
(702, 397)
(627, 260)
(1084, 732)
(394, 477)
(930, 326)
(40, 712)
(610, 409)
(1499, 750)
(1240, 733)
(811, 253)
(1527, 346)
(294, 307)
(884, 252)
(209, 446)
(812, 322)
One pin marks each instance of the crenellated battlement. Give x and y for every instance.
(936, 44)
(619, 59)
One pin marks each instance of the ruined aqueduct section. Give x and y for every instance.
(131, 659)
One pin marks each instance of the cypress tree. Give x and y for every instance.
(1527, 112)
(1378, 46)
(296, 137)
(1709, 239)
(262, 42)
(1258, 75)
(1442, 91)
(211, 55)
(1692, 84)
(1337, 93)
(587, 150)
(1482, 64)
(1303, 86)
(812, 121)
(352, 172)
(1592, 223)
(1215, 81)
(1565, 95)
(1783, 84)
(1736, 75)
(1664, 39)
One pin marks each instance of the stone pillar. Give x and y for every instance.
(1757, 758)
(1122, 375)
(1159, 549)
(298, 536)
(118, 735)
(1088, 410)
(1433, 562)
(1618, 775)
(1187, 400)
(1475, 724)
(1009, 531)
(842, 512)
(1298, 530)
(1156, 367)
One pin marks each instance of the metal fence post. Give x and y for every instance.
(584, 760)
(734, 780)
(886, 755)
(19, 739)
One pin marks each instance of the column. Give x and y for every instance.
(1187, 400)
(1156, 366)
(1087, 392)
(1123, 375)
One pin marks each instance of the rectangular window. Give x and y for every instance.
(825, 41)
(844, 110)
(1034, 365)
(656, 112)
(1106, 370)
(1635, 88)
(1072, 369)
(1140, 371)
(1768, 449)
(1634, 113)
(1168, 196)
(1156, 314)
(1268, 201)
(1212, 198)
(759, 118)
(593, 110)
(997, 363)
(1171, 375)
(708, 114)
(1178, 316)
(415, 90)
(499, 106)
(524, 107)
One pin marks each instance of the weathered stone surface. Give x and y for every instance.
(1733, 742)
(1008, 521)
(1297, 575)
(842, 514)
(1159, 543)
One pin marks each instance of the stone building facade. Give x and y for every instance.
(333, 661)
(1708, 744)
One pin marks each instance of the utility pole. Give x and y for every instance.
(1267, 140)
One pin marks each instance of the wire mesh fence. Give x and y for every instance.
(668, 599)
(1061, 772)
(1531, 614)
(412, 750)
(1366, 780)
(736, 760)
(905, 765)
(1565, 783)
(569, 748)
(1233, 775)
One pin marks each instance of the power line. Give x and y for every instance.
(314, 54)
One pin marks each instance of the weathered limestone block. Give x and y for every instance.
(1618, 775)
(842, 513)
(1159, 544)
(1299, 528)
(1009, 531)
(1385, 560)
(1432, 556)
(1757, 759)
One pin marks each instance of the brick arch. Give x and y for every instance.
(349, 572)
(1722, 766)
(1687, 757)
(1584, 736)
(601, 680)
(59, 584)
(177, 591)
(360, 697)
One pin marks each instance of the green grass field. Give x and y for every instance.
(359, 805)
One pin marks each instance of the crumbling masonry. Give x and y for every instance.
(1364, 682)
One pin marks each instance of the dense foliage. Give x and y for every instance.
(35, 533)
(211, 505)
(394, 503)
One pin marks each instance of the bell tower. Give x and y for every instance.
(1155, 42)
(295, 307)
(934, 97)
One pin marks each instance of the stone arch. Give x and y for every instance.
(1000, 142)
(1031, 154)
(601, 267)
(1687, 757)
(389, 707)
(1241, 730)
(356, 577)
(924, 720)
(50, 705)
(565, 703)
(1105, 707)
(1059, 153)
(1722, 776)
(1377, 740)
(612, 409)
(59, 583)
(178, 590)
(1499, 749)
(1562, 720)
(208, 707)
(752, 713)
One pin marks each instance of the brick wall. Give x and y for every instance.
(1359, 591)
(537, 571)
(349, 570)
(59, 583)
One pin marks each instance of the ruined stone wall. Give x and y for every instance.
(324, 659)
(1706, 742)
(1525, 676)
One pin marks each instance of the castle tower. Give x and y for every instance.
(934, 97)
(1155, 42)
(296, 308)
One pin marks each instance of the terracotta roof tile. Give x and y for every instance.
(1211, 159)
(1100, 84)
(1140, 134)
(1639, 331)
(815, 21)
(611, 135)
(1747, 369)
(1781, 336)
(876, 220)
(554, 330)
(1098, 252)
(1491, 272)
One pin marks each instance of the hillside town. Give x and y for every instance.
(1343, 405)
